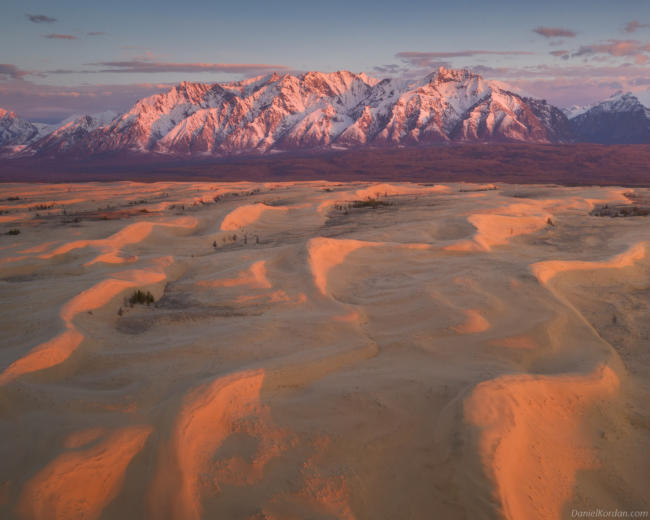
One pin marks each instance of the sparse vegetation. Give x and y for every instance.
(145, 210)
(13, 198)
(480, 189)
(14, 232)
(42, 207)
(370, 203)
(605, 211)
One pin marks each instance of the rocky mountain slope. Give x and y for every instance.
(340, 110)
(14, 130)
(624, 118)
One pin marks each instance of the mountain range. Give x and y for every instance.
(280, 113)
(274, 113)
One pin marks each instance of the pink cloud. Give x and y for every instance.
(12, 72)
(619, 49)
(634, 26)
(60, 37)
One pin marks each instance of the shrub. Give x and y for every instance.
(550, 222)
(14, 232)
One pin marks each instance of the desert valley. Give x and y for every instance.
(320, 350)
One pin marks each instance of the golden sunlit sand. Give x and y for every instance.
(447, 351)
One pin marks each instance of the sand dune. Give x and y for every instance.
(78, 484)
(254, 276)
(544, 271)
(450, 355)
(58, 349)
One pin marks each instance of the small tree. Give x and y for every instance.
(119, 313)
(550, 222)
(214, 244)
(257, 239)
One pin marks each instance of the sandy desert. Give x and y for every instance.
(323, 351)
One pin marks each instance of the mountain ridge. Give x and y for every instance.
(276, 113)
(623, 118)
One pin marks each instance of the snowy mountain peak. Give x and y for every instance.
(623, 118)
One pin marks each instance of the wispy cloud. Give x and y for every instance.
(554, 32)
(634, 26)
(96, 33)
(561, 54)
(60, 37)
(434, 60)
(40, 18)
(617, 48)
(147, 65)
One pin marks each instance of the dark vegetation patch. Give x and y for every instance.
(141, 297)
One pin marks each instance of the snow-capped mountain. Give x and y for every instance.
(59, 138)
(624, 118)
(14, 130)
(314, 110)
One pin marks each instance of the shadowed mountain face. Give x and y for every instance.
(621, 119)
(14, 130)
(339, 110)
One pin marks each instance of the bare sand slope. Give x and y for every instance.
(450, 355)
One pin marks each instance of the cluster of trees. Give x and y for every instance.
(141, 298)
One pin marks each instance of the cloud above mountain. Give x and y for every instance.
(634, 49)
(154, 66)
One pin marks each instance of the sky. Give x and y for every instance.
(65, 57)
